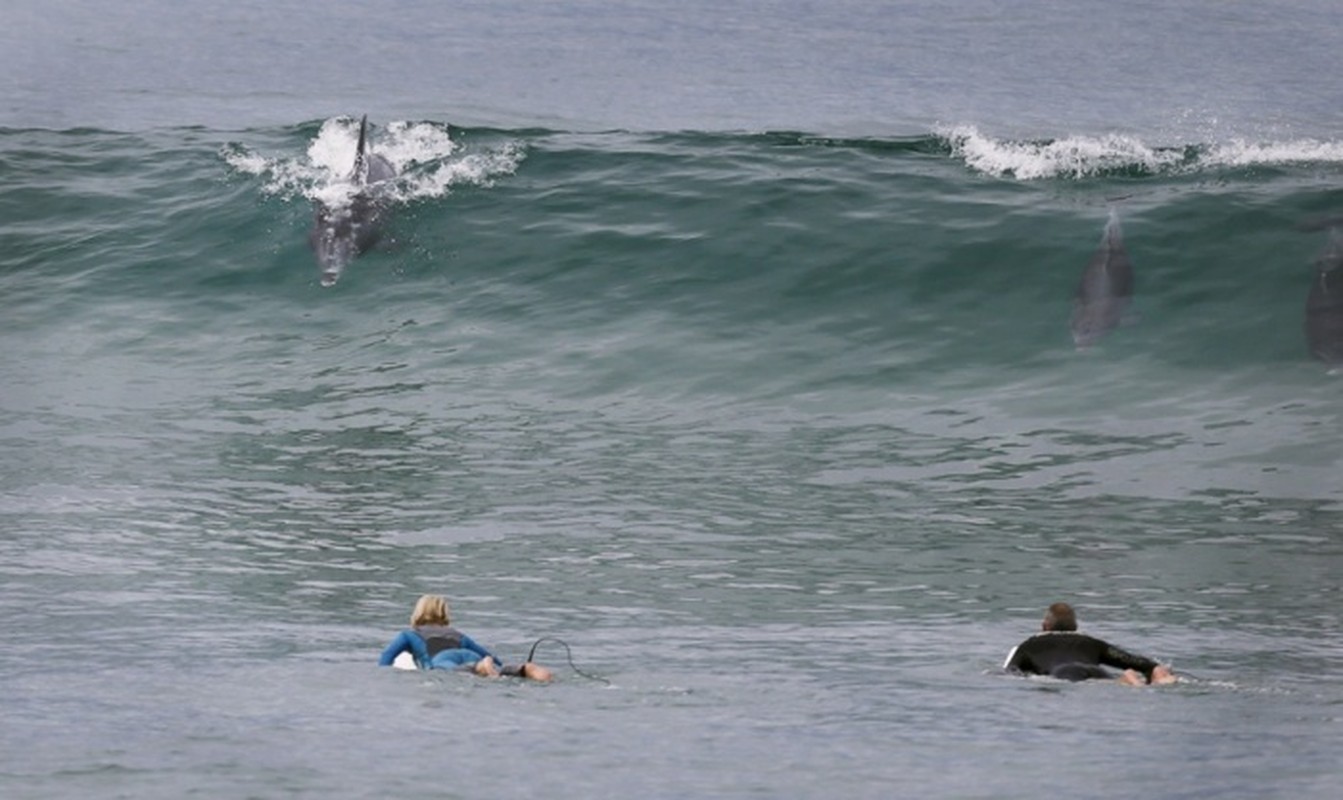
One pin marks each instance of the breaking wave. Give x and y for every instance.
(428, 160)
(1118, 155)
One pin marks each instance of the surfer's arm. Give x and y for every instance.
(1112, 656)
(473, 646)
(404, 641)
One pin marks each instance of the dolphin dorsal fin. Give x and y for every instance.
(1113, 232)
(360, 170)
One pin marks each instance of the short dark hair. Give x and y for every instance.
(1060, 617)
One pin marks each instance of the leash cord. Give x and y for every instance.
(568, 655)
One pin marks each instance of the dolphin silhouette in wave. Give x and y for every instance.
(1324, 304)
(1106, 289)
(341, 232)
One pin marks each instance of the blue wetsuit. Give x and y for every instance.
(436, 647)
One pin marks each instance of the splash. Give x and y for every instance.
(1240, 153)
(1074, 156)
(1089, 156)
(428, 161)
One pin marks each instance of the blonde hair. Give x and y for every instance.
(431, 609)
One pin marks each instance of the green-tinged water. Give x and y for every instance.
(785, 435)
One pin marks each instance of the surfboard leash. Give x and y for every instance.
(568, 654)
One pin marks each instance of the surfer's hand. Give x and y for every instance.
(1163, 675)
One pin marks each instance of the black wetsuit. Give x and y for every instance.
(1074, 657)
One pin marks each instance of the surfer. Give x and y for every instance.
(1061, 652)
(435, 644)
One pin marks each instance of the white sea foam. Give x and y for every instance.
(1082, 156)
(1240, 153)
(1073, 156)
(426, 158)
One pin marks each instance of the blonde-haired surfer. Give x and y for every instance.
(435, 644)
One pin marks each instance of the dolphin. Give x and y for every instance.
(1106, 289)
(341, 232)
(1324, 303)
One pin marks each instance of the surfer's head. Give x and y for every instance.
(431, 609)
(1059, 617)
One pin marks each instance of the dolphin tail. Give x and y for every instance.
(361, 150)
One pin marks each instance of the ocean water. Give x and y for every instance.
(726, 343)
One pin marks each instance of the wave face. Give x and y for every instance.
(686, 269)
(811, 261)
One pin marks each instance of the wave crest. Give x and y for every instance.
(1120, 154)
(1240, 153)
(1073, 156)
(427, 159)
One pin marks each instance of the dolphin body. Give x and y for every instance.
(1106, 289)
(1324, 304)
(340, 233)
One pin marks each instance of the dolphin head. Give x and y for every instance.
(1085, 334)
(1085, 329)
(1091, 320)
(333, 241)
